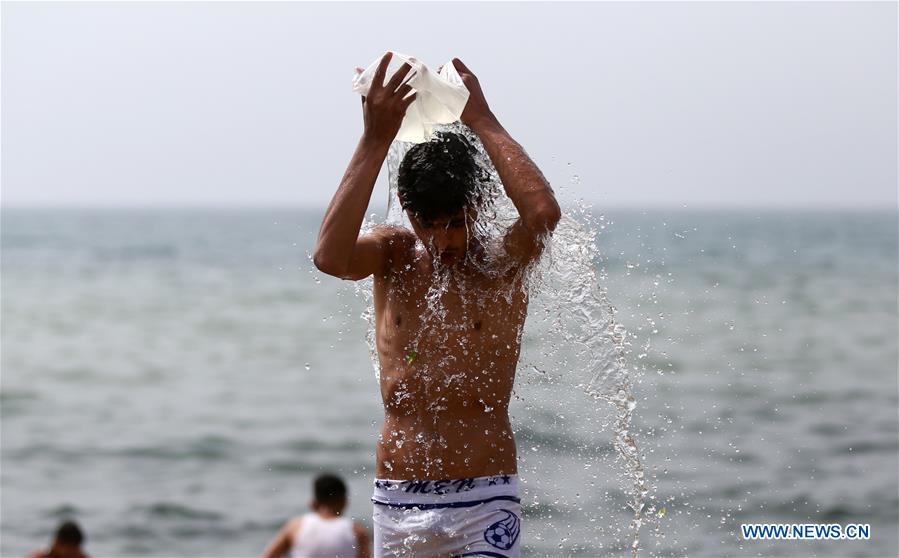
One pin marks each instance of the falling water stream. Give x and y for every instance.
(571, 337)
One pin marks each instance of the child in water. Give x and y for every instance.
(324, 532)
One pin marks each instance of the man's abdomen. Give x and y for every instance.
(446, 445)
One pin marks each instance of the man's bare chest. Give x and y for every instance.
(414, 313)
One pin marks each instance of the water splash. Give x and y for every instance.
(571, 337)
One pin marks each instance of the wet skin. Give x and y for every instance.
(446, 383)
(60, 550)
(446, 380)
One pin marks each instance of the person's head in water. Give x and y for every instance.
(67, 542)
(330, 494)
(439, 187)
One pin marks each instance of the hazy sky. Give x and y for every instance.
(655, 104)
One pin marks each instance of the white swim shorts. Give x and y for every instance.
(476, 517)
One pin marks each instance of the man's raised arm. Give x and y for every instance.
(340, 251)
(524, 183)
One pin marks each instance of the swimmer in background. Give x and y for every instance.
(446, 474)
(323, 533)
(66, 544)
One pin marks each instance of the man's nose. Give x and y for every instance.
(441, 240)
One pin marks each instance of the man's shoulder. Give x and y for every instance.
(391, 232)
(398, 241)
(293, 525)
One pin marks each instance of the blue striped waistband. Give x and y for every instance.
(444, 493)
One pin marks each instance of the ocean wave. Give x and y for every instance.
(204, 448)
(135, 252)
(557, 442)
(16, 402)
(176, 510)
(858, 447)
(13, 395)
(62, 511)
(309, 466)
(545, 510)
(323, 446)
(807, 505)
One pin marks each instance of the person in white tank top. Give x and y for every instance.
(324, 532)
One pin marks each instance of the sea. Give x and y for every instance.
(173, 380)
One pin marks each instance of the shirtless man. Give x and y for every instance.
(66, 543)
(446, 459)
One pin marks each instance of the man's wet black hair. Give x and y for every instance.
(69, 533)
(329, 489)
(440, 177)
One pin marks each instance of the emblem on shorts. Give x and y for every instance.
(503, 533)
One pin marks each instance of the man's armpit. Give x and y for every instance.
(522, 245)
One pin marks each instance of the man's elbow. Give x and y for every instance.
(545, 218)
(327, 265)
(553, 215)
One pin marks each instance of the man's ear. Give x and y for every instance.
(412, 218)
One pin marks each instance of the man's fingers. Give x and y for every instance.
(378, 79)
(408, 100)
(399, 76)
(460, 66)
(404, 88)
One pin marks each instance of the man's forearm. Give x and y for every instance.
(524, 183)
(344, 216)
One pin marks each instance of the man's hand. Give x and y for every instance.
(385, 105)
(538, 211)
(340, 251)
(476, 110)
